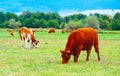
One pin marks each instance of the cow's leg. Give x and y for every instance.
(23, 43)
(97, 51)
(75, 60)
(76, 55)
(27, 43)
(22, 39)
(88, 54)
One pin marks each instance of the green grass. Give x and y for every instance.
(46, 60)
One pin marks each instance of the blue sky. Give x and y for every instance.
(56, 5)
(60, 6)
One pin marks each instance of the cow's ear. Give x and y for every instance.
(33, 30)
(37, 41)
(61, 51)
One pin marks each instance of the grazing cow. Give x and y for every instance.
(27, 35)
(81, 39)
(62, 31)
(52, 30)
(11, 33)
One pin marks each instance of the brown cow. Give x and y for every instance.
(62, 31)
(81, 39)
(11, 33)
(27, 34)
(52, 30)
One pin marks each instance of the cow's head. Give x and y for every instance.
(35, 43)
(65, 56)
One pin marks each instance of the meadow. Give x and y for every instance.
(46, 59)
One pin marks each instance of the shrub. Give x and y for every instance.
(92, 21)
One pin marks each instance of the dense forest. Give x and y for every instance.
(54, 20)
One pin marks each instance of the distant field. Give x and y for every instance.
(46, 60)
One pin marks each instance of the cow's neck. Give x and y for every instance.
(68, 48)
(32, 38)
(69, 45)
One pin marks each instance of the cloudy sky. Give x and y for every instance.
(63, 7)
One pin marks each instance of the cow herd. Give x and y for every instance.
(78, 40)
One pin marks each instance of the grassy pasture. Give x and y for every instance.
(46, 60)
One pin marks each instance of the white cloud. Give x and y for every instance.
(64, 13)
(105, 11)
(0, 9)
(18, 13)
(111, 12)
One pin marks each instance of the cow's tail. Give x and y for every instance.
(96, 43)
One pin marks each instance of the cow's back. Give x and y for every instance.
(75, 39)
(52, 30)
(85, 37)
(90, 37)
(23, 32)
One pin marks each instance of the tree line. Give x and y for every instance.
(54, 20)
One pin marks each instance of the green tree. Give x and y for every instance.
(38, 15)
(104, 24)
(52, 16)
(2, 17)
(10, 15)
(75, 17)
(25, 15)
(104, 20)
(62, 25)
(97, 15)
(53, 23)
(36, 23)
(14, 24)
(72, 25)
(117, 16)
(92, 21)
(40, 23)
(5, 24)
(115, 25)
(28, 22)
(43, 23)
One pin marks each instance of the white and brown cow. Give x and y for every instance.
(27, 35)
(11, 33)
